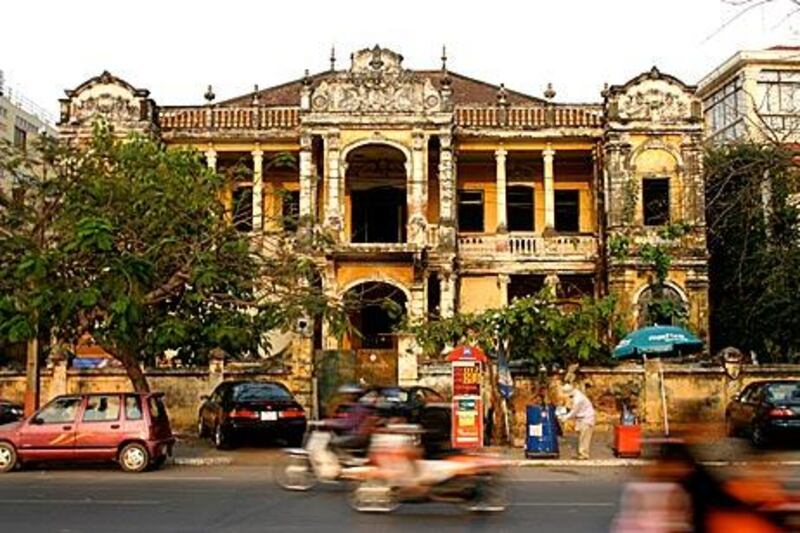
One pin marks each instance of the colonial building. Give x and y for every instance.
(446, 193)
(754, 95)
(21, 122)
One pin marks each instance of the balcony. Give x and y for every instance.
(521, 246)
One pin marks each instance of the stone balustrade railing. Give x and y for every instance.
(194, 118)
(530, 117)
(529, 245)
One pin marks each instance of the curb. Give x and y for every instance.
(201, 461)
(607, 463)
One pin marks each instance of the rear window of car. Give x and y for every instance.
(783, 392)
(260, 391)
(157, 411)
(102, 408)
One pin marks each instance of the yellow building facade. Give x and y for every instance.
(445, 193)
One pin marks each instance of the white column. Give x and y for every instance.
(549, 189)
(211, 158)
(307, 210)
(258, 190)
(416, 191)
(500, 174)
(333, 217)
(502, 281)
(447, 185)
(447, 192)
(447, 294)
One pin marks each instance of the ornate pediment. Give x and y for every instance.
(653, 98)
(376, 83)
(109, 98)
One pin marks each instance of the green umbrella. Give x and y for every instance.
(659, 341)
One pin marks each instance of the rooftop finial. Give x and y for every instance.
(209, 96)
(444, 58)
(333, 58)
(502, 95)
(256, 96)
(605, 92)
(549, 92)
(306, 78)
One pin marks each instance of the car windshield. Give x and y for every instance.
(260, 391)
(784, 392)
(394, 395)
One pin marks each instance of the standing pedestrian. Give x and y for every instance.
(583, 413)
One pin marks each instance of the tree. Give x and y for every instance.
(142, 255)
(754, 241)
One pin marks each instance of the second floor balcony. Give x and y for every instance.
(527, 246)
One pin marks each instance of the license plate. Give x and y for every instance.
(269, 416)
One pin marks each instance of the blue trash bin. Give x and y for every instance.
(541, 439)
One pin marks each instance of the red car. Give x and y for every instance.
(130, 428)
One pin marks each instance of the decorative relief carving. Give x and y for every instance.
(110, 98)
(652, 97)
(376, 83)
(111, 107)
(654, 104)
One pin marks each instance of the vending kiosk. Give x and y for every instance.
(467, 415)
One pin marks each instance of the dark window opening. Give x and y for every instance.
(575, 286)
(655, 199)
(379, 215)
(243, 208)
(434, 295)
(524, 285)
(20, 138)
(519, 208)
(567, 211)
(470, 211)
(290, 210)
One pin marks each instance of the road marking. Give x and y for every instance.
(563, 504)
(86, 501)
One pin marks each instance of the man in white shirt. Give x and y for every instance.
(583, 413)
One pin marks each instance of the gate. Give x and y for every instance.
(376, 367)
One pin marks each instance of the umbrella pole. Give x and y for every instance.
(663, 398)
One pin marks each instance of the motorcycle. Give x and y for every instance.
(319, 460)
(397, 474)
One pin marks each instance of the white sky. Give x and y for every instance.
(176, 48)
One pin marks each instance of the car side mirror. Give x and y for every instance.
(36, 421)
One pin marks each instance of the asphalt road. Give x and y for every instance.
(245, 499)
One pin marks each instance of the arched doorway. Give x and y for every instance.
(376, 188)
(661, 304)
(376, 309)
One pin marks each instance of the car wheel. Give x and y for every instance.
(134, 457)
(222, 440)
(202, 432)
(8, 457)
(757, 436)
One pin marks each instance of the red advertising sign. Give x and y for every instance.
(467, 379)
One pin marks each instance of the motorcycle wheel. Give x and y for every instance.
(295, 473)
(373, 497)
(491, 496)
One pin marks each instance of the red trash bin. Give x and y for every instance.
(628, 441)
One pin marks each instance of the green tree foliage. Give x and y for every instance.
(538, 329)
(754, 241)
(137, 251)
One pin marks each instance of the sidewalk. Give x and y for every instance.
(714, 450)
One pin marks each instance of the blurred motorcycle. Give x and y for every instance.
(319, 460)
(397, 474)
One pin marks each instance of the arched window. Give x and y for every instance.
(662, 305)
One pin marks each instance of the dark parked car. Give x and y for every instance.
(130, 428)
(417, 405)
(254, 408)
(9, 411)
(766, 411)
